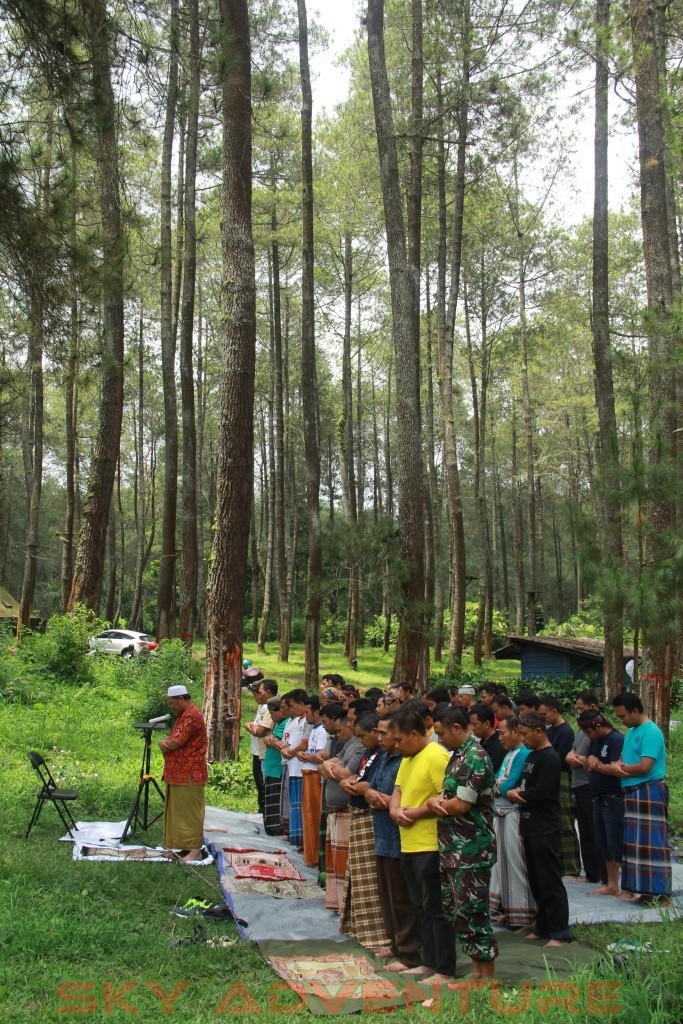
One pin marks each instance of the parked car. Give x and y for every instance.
(125, 642)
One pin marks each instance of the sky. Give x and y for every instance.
(330, 86)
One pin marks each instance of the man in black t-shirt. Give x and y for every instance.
(608, 800)
(540, 824)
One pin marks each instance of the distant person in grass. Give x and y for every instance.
(185, 775)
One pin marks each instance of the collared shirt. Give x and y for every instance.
(317, 741)
(387, 838)
(272, 762)
(350, 757)
(646, 740)
(258, 743)
(186, 766)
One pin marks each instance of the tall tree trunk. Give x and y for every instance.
(280, 525)
(659, 631)
(35, 385)
(200, 418)
(517, 533)
(409, 646)
(190, 553)
(87, 580)
(70, 403)
(222, 697)
(346, 458)
(268, 497)
(608, 449)
(446, 322)
(309, 376)
(165, 625)
(136, 620)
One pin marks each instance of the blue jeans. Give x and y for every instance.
(423, 882)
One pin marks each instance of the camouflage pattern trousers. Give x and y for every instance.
(465, 898)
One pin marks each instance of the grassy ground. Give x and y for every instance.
(91, 940)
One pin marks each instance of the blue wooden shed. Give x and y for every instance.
(578, 657)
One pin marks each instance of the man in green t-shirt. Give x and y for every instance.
(272, 767)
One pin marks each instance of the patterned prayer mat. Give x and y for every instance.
(329, 978)
(260, 864)
(283, 890)
(156, 855)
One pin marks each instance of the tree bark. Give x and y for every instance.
(409, 646)
(222, 698)
(165, 625)
(87, 580)
(190, 553)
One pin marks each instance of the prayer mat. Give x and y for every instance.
(520, 960)
(284, 890)
(329, 979)
(260, 864)
(157, 854)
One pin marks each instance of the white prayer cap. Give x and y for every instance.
(177, 691)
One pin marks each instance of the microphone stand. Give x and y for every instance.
(135, 822)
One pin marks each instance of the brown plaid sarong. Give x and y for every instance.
(361, 913)
(336, 856)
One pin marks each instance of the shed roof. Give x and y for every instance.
(580, 646)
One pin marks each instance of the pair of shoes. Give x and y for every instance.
(192, 908)
(221, 942)
(218, 912)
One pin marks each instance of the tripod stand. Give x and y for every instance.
(135, 821)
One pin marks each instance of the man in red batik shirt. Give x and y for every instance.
(185, 775)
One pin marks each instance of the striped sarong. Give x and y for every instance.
(310, 813)
(271, 815)
(336, 856)
(509, 892)
(646, 867)
(184, 817)
(296, 827)
(361, 911)
(569, 841)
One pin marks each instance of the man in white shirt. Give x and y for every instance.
(259, 729)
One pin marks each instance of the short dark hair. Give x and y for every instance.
(501, 701)
(511, 722)
(374, 693)
(407, 721)
(360, 706)
(628, 700)
(313, 701)
(298, 696)
(587, 696)
(527, 697)
(332, 711)
(532, 720)
(450, 715)
(406, 686)
(549, 701)
(270, 686)
(492, 688)
(334, 678)
(593, 717)
(483, 712)
(367, 721)
(439, 694)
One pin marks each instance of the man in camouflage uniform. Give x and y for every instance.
(467, 845)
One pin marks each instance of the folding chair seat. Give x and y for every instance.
(50, 793)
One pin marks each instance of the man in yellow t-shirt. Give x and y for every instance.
(419, 778)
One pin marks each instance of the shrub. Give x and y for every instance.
(152, 675)
(233, 777)
(62, 651)
(374, 631)
(499, 623)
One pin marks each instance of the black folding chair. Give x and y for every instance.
(49, 793)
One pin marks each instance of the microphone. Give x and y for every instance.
(162, 718)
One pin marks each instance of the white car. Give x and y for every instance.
(125, 642)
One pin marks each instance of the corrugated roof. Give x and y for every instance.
(583, 646)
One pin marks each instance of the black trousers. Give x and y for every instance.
(593, 864)
(400, 918)
(423, 882)
(544, 868)
(257, 772)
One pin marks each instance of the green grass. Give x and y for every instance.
(77, 931)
